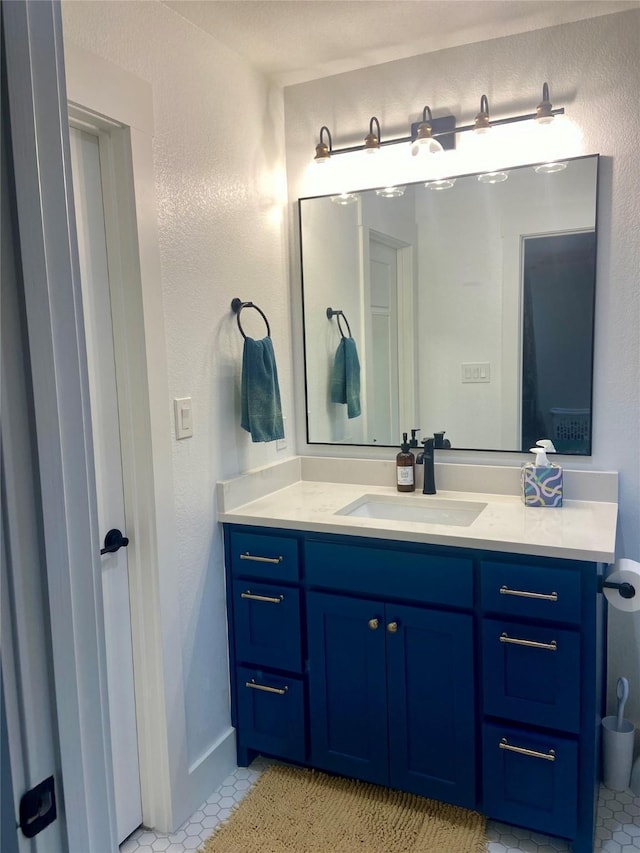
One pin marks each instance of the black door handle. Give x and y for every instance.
(113, 541)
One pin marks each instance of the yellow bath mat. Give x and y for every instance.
(293, 810)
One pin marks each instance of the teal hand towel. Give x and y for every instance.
(261, 411)
(345, 377)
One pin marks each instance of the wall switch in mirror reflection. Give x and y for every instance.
(476, 371)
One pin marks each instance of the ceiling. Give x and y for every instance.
(293, 41)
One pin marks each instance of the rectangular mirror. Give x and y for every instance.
(464, 305)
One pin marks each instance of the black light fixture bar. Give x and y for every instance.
(444, 128)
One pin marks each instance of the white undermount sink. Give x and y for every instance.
(427, 511)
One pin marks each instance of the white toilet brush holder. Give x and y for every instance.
(617, 752)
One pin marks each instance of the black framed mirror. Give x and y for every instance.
(470, 309)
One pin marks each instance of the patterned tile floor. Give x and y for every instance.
(618, 824)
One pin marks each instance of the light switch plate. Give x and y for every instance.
(183, 416)
(476, 371)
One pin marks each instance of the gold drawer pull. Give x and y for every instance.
(548, 756)
(543, 596)
(392, 627)
(373, 624)
(279, 690)
(505, 638)
(270, 599)
(248, 556)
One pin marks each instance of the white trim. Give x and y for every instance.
(109, 99)
(38, 109)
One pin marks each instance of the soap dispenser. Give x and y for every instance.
(541, 481)
(405, 467)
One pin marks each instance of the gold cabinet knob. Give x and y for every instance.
(392, 627)
(373, 624)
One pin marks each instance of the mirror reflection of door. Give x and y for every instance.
(389, 338)
(381, 335)
(557, 322)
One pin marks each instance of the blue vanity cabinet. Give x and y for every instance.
(264, 612)
(543, 670)
(391, 690)
(467, 676)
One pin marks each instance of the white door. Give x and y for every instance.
(88, 177)
(382, 350)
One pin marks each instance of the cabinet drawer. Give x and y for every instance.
(532, 674)
(400, 574)
(267, 625)
(530, 779)
(271, 714)
(266, 557)
(530, 591)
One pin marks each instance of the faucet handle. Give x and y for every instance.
(439, 441)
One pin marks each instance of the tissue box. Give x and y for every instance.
(541, 485)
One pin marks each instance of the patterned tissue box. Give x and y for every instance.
(541, 486)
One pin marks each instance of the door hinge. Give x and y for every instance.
(38, 808)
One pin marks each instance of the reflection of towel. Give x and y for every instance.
(345, 378)
(260, 395)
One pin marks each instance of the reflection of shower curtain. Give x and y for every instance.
(532, 420)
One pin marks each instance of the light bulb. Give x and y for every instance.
(442, 184)
(344, 198)
(391, 192)
(493, 177)
(425, 145)
(549, 168)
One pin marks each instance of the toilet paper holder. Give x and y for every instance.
(626, 590)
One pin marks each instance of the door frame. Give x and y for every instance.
(37, 106)
(48, 247)
(406, 302)
(118, 106)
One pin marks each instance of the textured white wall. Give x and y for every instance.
(218, 155)
(593, 69)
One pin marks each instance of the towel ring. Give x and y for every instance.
(338, 313)
(237, 305)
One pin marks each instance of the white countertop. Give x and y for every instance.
(580, 529)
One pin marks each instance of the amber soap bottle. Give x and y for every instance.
(405, 467)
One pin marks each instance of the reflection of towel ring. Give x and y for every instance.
(338, 313)
(237, 305)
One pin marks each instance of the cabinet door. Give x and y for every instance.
(431, 703)
(347, 686)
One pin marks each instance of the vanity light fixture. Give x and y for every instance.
(372, 139)
(391, 192)
(441, 130)
(481, 123)
(424, 143)
(544, 110)
(323, 151)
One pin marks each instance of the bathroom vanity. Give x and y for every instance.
(458, 660)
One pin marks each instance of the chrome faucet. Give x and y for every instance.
(427, 458)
